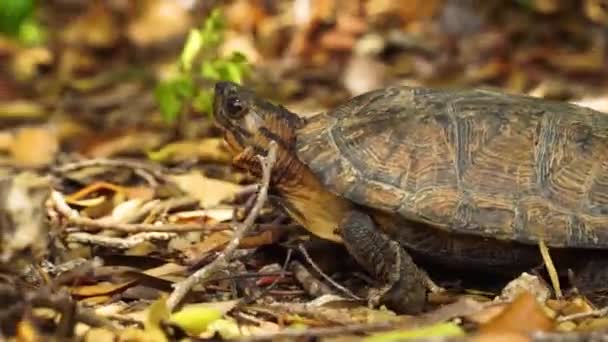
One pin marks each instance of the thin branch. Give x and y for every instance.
(181, 289)
(594, 313)
(118, 242)
(339, 287)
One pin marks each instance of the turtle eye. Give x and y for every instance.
(234, 108)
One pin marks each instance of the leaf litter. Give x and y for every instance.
(107, 209)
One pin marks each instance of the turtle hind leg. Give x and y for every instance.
(404, 284)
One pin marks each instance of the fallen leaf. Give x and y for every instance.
(205, 150)
(102, 288)
(158, 21)
(525, 283)
(501, 337)
(21, 109)
(210, 192)
(524, 315)
(88, 202)
(129, 142)
(45, 140)
(214, 242)
(91, 188)
(437, 330)
(99, 335)
(97, 28)
(206, 215)
(487, 314)
(196, 318)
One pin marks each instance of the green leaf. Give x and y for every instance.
(168, 101)
(233, 73)
(183, 87)
(211, 70)
(13, 13)
(31, 32)
(193, 45)
(437, 330)
(171, 96)
(203, 102)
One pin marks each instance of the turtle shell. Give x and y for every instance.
(474, 162)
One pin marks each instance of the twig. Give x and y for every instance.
(553, 275)
(181, 289)
(594, 313)
(311, 262)
(313, 287)
(118, 242)
(87, 224)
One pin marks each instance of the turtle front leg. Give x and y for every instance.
(404, 284)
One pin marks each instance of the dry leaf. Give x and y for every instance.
(91, 188)
(129, 142)
(34, 147)
(211, 243)
(21, 109)
(205, 150)
(159, 21)
(99, 289)
(210, 192)
(524, 315)
(525, 283)
(208, 216)
(501, 337)
(95, 28)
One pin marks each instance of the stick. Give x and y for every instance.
(182, 288)
(339, 287)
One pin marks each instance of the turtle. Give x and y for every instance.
(465, 178)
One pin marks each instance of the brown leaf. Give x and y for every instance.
(213, 242)
(95, 28)
(92, 188)
(103, 288)
(126, 142)
(501, 337)
(210, 192)
(205, 150)
(34, 147)
(159, 21)
(524, 315)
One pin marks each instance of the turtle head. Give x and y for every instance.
(250, 122)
